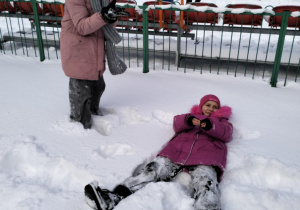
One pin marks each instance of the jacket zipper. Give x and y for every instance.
(191, 149)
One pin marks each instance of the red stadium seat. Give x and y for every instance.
(241, 19)
(55, 9)
(201, 17)
(133, 15)
(26, 8)
(275, 21)
(7, 6)
(154, 15)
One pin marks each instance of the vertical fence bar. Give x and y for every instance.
(185, 58)
(21, 38)
(145, 40)
(28, 10)
(204, 29)
(297, 71)
(163, 38)
(12, 35)
(56, 16)
(279, 49)
(230, 44)
(237, 58)
(154, 30)
(196, 42)
(255, 62)
(249, 46)
(38, 30)
(137, 41)
(291, 52)
(178, 49)
(266, 58)
(1, 44)
(212, 42)
(221, 42)
(33, 39)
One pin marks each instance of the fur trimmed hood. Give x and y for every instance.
(224, 111)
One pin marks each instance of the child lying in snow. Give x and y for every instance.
(198, 147)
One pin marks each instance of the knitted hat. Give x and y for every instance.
(224, 111)
(209, 97)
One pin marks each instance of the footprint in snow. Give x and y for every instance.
(114, 150)
(246, 134)
(130, 116)
(102, 126)
(163, 117)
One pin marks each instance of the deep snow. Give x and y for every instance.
(45, 160)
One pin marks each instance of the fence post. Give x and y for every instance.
(38, 30)
(145, 40)
(178, 49)
(277, 61)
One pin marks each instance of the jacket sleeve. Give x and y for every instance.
(180, 123)
(221, 129)
(84, 23)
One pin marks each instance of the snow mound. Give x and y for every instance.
(261, 183)
(159, 196)
(28, 162)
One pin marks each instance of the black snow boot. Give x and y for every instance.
(103, 199)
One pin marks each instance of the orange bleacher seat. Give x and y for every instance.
(241, 19)
(275, 21)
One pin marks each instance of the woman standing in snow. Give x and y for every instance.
(87, 26)
(198, 147)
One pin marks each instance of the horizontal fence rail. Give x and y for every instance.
(239, 39)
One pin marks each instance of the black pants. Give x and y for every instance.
(84, 96)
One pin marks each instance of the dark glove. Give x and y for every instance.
(109, 13)
(208, 124)
(189, 120)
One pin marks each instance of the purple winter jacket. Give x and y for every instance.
(192, 145)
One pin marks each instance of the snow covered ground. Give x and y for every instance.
(46, 160)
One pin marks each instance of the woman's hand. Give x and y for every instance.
(197, 122)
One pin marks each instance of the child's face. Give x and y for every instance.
(209, 107)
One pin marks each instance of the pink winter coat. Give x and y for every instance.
(82, 41)
(192, 145)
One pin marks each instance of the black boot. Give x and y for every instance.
(79, 96)
(97, 90)
(103, 199)
(86, 118)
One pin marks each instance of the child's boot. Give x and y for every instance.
(103, 199)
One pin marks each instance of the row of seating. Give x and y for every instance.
(212, 18)
(168, 16)
(26, 8)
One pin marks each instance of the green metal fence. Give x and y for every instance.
(257, 43)
(33, 25)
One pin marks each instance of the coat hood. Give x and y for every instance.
(224, 111)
